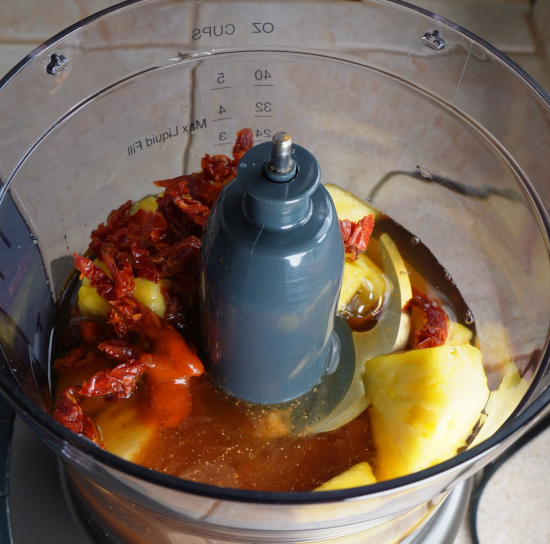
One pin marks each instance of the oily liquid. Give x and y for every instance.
(227, 442)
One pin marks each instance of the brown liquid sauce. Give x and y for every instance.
(229, 443)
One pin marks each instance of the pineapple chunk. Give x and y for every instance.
(356, 476)
(423, 405)
(89, 302)
(149, 294)
(458, 334)
(361, 274)
(145, 291)
(123, 429)
(148, 203)
(348, 206)
(502, 403)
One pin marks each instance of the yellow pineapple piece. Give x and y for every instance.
(458, 334)
(149, 294)
(148, 203)
(356, 476)
(123, 429)
(361, 274)
(502, 403)
(145, 291)
(496, 346)
(348, 206)
(89, 302)
(423, 405)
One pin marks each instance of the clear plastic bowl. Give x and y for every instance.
(151, 86)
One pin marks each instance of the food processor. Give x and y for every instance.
(425, 121)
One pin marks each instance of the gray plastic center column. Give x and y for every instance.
(271, 268)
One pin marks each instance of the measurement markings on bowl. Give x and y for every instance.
(236, 95)
(162, 137)
(259, 108)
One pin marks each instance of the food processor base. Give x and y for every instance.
(41, 504)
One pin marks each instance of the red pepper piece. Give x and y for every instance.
(193, 208)
(203, 190)
(434, 331)
(83, 355)
(109, 289)
(244, 142)
(182, 256)
(356, 235)
(89, 331)
(218, 168)
(125, 316)
(143, 263)
(121, 271)
(98, 279)
(120, 382)
(122, 229)
(120, 350)
(89, 430)
(69, 413)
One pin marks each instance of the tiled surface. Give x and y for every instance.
(32, 21)
(513, 508)
(505, 26)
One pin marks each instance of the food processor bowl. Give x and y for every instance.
(426, 121)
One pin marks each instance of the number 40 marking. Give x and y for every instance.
(262, 74)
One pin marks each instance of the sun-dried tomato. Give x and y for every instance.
(193, 208)
(180, 223)
(203, 190)
(181, 257)
(69, 413)
(218, 168)
(111, 289)
(80, 356)
(89, 331)
(145, 227)
(144, 265)
(120, 382)
(152, 246)
(436, 327)
(356, 235)
(125, 316)
(244, 142)
(121, 271)
(89, 430)
(178, 313)
(117, 219)
(97, 277)
(120, 350)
